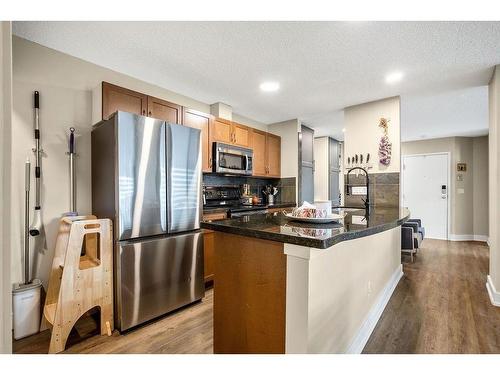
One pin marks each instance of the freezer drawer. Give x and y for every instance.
(156, 276)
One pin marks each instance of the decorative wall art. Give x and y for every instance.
(385, 146)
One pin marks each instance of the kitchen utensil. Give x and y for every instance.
(367, 157)
(270, 199)
(245, 189)
(361, 158)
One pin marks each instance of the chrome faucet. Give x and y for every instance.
(366, 201)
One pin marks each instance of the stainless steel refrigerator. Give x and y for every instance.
(146, 177)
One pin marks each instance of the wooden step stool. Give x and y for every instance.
(81, 277)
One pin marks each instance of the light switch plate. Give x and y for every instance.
(460, 191)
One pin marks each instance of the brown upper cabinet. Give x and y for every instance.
(259, 146)
(230, 132)
(202, 121)
(116, 98)
(266, 147)
(266, 154)
(273, 155)
(241, 135)
(223, 131)
(163, 110)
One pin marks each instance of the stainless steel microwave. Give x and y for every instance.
(231, 159)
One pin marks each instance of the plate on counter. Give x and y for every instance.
(316, 220)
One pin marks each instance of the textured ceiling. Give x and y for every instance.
(322, 66)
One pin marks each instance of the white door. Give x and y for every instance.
(425, 192)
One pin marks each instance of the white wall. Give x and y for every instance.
(5, 214)
(65, 84)
(321, 175)
(289, 133)
(494, 178)
(468, 210)
(363, 134)
(480, 179)
(332, 293)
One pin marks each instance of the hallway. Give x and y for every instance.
(441, 304)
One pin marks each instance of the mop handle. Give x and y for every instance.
(72, 191)
(72, 141)
(27, 177)
(37, 149)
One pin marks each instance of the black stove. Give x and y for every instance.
(229, 196)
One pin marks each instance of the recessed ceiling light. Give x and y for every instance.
(269, 86)
(394, 77)
(343, 130)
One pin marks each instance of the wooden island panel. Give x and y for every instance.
(249, 295)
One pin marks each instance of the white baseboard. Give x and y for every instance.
(493, 293)
(374, 314)
(468, 237)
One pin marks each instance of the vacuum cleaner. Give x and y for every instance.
(36, 225)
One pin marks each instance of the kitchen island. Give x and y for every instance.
(283, 286)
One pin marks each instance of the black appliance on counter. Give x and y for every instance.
(229, 196)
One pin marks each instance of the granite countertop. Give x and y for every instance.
(207, 210)
(276, 227)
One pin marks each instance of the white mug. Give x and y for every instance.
(324, 205)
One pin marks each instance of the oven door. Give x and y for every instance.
(232, 159)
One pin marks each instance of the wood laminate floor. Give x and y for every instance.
(187, 330)
(440, 306)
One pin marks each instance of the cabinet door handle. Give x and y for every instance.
(150, 113)
(144, 112)
(210, 162)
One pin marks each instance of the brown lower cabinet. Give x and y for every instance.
(209, 245)
(208, 253)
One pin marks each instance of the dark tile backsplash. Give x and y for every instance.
(286, 186)
(384, 190)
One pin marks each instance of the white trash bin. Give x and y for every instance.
(26, 308)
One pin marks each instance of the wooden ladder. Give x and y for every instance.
(81, 277)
